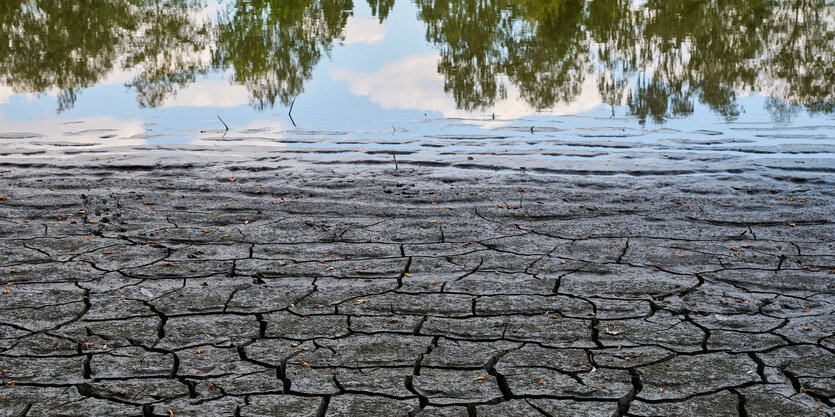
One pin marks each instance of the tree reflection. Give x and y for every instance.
(658, 58)
(381, 8)
(272, 46)
(67, 46)
(48, 45)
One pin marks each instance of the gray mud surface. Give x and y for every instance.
(164, 288)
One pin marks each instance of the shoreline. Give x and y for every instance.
(279, 288)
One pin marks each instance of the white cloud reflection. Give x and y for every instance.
(364, 30)
(414, 83)
(210, 94)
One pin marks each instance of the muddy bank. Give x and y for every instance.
(273, 287)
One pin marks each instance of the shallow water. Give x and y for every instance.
(565, 86)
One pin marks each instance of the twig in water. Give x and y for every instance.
(532, 130)
(224, 123)
(290, 113)
(396, 168)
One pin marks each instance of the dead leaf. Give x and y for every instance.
(482, 377)
(170, 413)
(358, 302)
(233, 179)
(305, 364)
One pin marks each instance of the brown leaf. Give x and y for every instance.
(482, 377)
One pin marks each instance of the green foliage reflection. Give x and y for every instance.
(71, 45)
(659, 59)
(273, 45)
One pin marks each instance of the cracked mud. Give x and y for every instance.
(147, 289)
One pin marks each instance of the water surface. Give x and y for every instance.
(599, 85)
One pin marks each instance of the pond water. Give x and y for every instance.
(595, 85)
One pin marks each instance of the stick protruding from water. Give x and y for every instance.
(224, 123)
